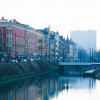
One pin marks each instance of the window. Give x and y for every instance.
(0, 41)
(9, 40)
(0, 48)
(0, 32)
(21, 41)
(8, 48)
(20, 33)
(9, 32)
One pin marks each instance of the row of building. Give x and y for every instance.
(22, 41)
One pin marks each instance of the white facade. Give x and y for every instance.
(57, 44)
(85, 39)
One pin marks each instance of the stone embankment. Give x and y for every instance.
(93, 73)
(96, 74)
(13, 71)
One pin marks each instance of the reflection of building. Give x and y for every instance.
(44, 88)
(78, 82)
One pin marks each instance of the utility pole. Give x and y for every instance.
(49, 48)
(15, 45)
(54, 49)
(90, 55)
(40, 47)
(45, 50)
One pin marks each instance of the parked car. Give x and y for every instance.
(14, 60)
(24, 60)
(31, 59)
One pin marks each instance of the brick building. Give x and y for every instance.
(12, 38)
(18, 40)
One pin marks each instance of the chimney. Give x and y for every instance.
(10, 20)
(2, 18)
(14, 20)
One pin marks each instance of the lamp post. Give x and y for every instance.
(40, 47)
(90, 55)
(49, 49)
(15, 44)
(54, 50)
(45, 53)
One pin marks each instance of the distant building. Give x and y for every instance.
(85, 39)
(46, 33)
(71, 50)
(62, 48)
(35, 43)
(54, 45)
(51, 43)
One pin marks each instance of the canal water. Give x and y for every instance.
(52, 87)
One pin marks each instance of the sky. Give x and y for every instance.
(61, 15)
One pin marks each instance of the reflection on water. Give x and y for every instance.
(52, 88)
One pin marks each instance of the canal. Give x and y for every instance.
(52, 87)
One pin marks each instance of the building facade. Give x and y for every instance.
(12, 38)
(71, 50)
(18, 40)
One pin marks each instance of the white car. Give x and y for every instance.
(24, 60)
(13, 60)
(31, 59)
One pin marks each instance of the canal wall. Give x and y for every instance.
(23, 69)
(79, 70)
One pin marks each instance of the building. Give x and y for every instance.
(54, 45)
(62, 48)
(46, 33)
(57, 45)
(40, 45)
(51, 44)
(67, 49)
(71, 50)
(34, 43)
(85, 39)
(19, 40)
(12, 38)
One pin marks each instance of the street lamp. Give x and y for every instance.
(40, 47)
(49, 49)
(54, 50)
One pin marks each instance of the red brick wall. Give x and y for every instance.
(4, 37)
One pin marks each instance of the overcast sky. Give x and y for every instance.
(61, 15)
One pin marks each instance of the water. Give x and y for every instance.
(52, 88)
